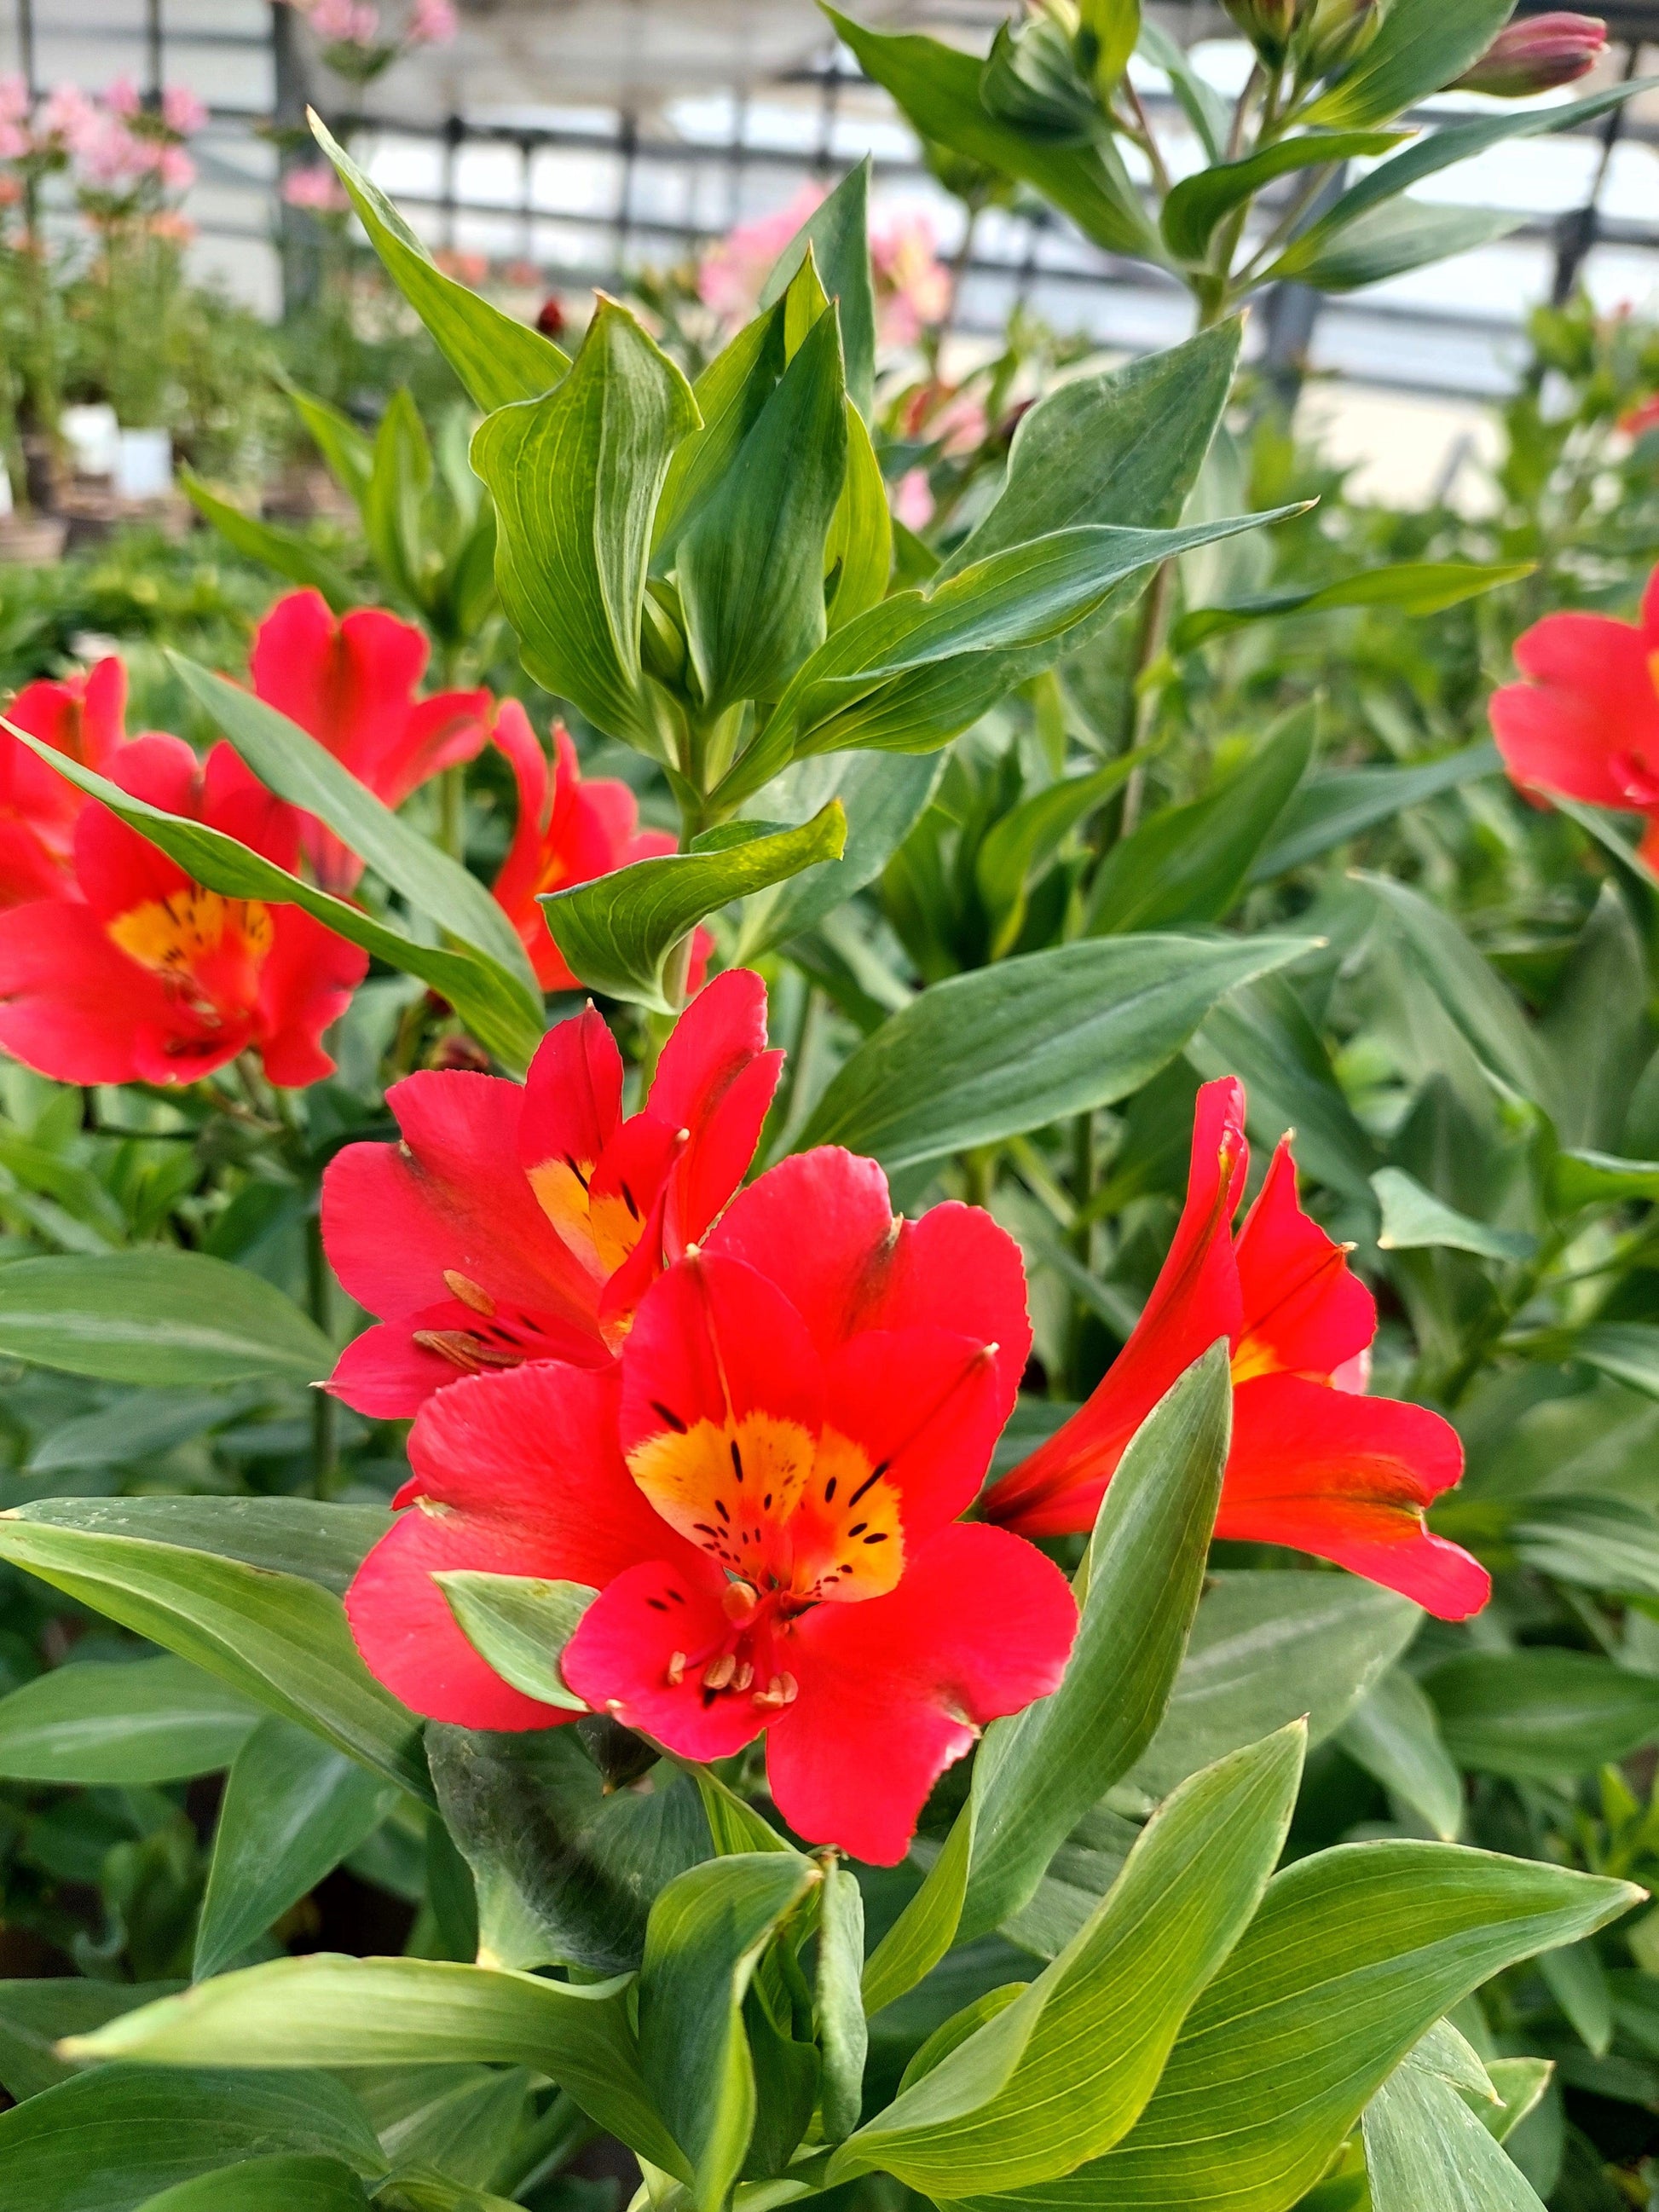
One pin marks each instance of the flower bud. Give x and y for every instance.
(1268, 24)
(1332, 32)
(1032, 80)
(1535, 55)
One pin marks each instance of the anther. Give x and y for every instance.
(743, 1677)
(718, 1672)
(737, 1600)
(454, 1344)
(782, 1690)
(676, 1667)
(469, 1292)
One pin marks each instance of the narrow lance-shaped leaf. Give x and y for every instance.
(882, 795)
(501, 1013)
(926, 1927)
(140, 1720)
(1199, 202)
(1394, 1735)
(36, 2014)
(156, 1316)
(1405, 234)
(843, 2033)
(285, 550)
(1419, 588)
(1425, 2146)
(837, 236)
(1419, 46)
(498, 358)
(322, 1543)
(616, 932)
(1330, 808)
(289, 2182)
(397, 482)
(520, 1625)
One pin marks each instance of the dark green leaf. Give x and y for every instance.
(1404, 234)
(616, 932)
(161, 1317)
(106, 2141)
(1012, 1047)
(496, 357)
(1420, 46)
(281, 1642)
(1198, 203)
(1587, 1178)
(398, 480)
(35, 2014)
(577, 477)
(1627, 1351)
(324, 1544)
(291, 2184)
(843, 2034)
(1541, 1713)
(858, 556)
(520, 1626)
(1395, 1734)
(1417, 587)
(704, 1940)
(837, 232)
(1414, 1219)
(882, 795)
(1029, 836)
(144, 1720)
(1425, 2149)
(348, 454)
(141, 1423)
(1330, 808)
(926, 1927)
(1263, 1035)
(285, 550)
(293, 1809)
(729, 395)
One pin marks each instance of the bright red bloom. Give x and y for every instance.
(138, 974)
(350, 683)
(82, 717)
(526, 1221)
(569, 830)
(1315, 1464)
(1586, 723)
(1640, 420)
(765, 1489)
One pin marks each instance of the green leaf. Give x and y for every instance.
(1029, 836)
(837, 234)
(916, 670)
(1263, 1035)
(105, 2142)
(1520, 2083)
(285, 550)
(349, 455)
(926, 1927)
(324, 1544)
(323, 2010)
(1123, 447)
(1589, 1178)
(729, 396)
(289, 761)
(281, 1642)
(1420, 46)
(1189, 863)
(282, 2184)
(1393, 1733)
(293, 1809)
(751, 566)
(703, 1943)
(882, 795)
(1353, 1954)
(142, 1720)
(1199, 202)
(494, 1005)
(1268, 1645)
(576, 478)
(1039, 1771)
(496, 357)
(616, 932)
(398, 479)
(1063, 2072)
(937, 87)
(1542, 1713)
(1577, 1981)
(35, 2014)
(734, 1825)
(859, 556)
(1606, 1544)
(1415, 1220)
(843, 2033)
(1416, 587)
(1330, 809)
(520, 1626)
(1627, 1351)
(1012, 1047)
(564, 1873)
(1405, 234)
(1426, 2151)
(159, 1315)
(141, 1423)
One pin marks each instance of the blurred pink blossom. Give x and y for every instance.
(109, 157)
(913, 502)
(68, 116)
(912, 285)
(732, 274)
(316, 190)
(431, 23)
(465, 268)
(174, 167)
(122, 98)
(181, 110)
(344, 22)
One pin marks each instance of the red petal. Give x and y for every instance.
(118, 869)
(1195, 1300)
(71, 1004)
(630, 1638)
(715, 1079)
(515, 885)
(349, 683)
(442, 732)
(235, 801)
(571, 1095)
(1347, 1478)
(926, 1406)
(521, 1476)
(451, 1196)
(305, 982)
(1305, 1312)
(894, 1690)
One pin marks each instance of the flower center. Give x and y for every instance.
(207, 948)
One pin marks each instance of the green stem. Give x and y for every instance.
(451, 789)
(1484, 1338)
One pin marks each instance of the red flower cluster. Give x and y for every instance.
(130, 972)
(84, 718)
(1585, 724)
(1315, 1464)
(764, 1490)
(569, 831)
(526, 1221)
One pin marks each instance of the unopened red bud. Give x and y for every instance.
(550, 317)
(1535, 55)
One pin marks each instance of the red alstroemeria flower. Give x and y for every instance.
(526, 1221)
(764, 1490)
(350, 683)
(84, 717)
(569, 830)
(1640, 420)
(1315, 1464)
(140, 976)
(1586, 723)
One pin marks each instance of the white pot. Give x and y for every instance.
(94, 438)
(144, 464)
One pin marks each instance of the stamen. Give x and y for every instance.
(737, 1600)
(469, 1292)
(453, 1345)
(676, 1667)
(743, 1677)
(718, 1672)
(782, 1690)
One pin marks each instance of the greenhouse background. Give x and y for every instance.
(595, 139)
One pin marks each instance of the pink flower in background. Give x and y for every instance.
(913, 500)
(68, 117)
(175, 168)
(108, 156)
(470, 269)
(316, 190)
(731, 275)
(912, 285)
(122, 98)
(431, 23)
(15, 140)
(344, 22)
(182, 111)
